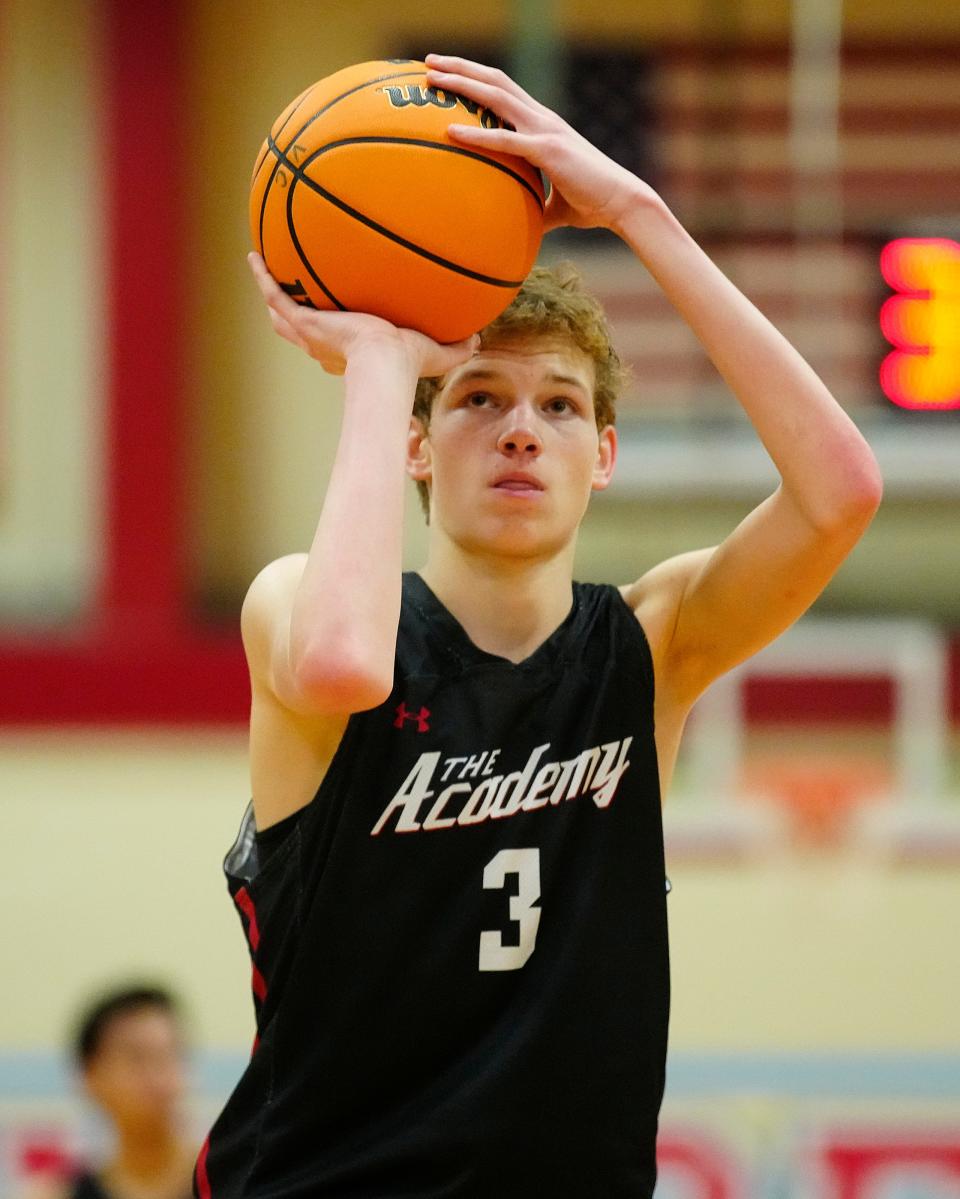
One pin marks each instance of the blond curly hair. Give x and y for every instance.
(551, 303)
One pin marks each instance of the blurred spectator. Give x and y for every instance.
(130, 1052)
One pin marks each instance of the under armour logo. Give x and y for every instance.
(420, 717)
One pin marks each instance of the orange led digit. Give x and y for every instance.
(923, 322)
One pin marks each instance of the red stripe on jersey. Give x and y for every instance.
(203, 1182)
(259, 985)
(245, 904)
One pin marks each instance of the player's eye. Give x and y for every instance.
(478, 399)
(560, 404)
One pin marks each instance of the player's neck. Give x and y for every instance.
(508, 607)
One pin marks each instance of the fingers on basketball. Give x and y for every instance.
(507, 106)
(466, 69)
(283, 312)
(460, 351)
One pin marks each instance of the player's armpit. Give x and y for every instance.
(710, 609)
(655, 599)
(330, 688)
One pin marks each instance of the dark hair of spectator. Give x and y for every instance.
(120, 1002)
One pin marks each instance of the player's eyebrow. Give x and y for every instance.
(482, 372)
(569, 380)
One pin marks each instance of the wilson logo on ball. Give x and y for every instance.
(411, 93)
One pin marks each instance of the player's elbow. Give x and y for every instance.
(852, 503)
(863, 490)
(341, 683)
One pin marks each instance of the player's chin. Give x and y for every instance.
(521, 536)
(524, 518)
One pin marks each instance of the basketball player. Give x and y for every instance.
(451, 877)
(130, 1053)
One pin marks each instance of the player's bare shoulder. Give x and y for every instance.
(269, 600)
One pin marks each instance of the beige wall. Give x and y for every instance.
(51, 319)
(113, 844)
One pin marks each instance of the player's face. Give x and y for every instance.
(138, 1073)
(513, 450)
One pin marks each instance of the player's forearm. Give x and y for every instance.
(345, 614)
(824, 462)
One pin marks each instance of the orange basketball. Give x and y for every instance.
(360, 200)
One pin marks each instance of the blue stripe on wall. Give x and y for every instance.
(44, 1075)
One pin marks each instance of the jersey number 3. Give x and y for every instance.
(525, 864)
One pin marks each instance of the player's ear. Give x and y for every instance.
(606, 458)
(418, 451)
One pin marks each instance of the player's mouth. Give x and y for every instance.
(519, 483)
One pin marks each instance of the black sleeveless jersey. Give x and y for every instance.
(459, 947)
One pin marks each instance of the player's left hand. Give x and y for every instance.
(588, 189)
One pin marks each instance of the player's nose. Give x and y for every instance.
(519, 433)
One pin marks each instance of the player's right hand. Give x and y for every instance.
(333, 337)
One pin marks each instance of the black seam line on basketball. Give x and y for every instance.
(419, 141)
(291, 229)
(383, 230)
(256, 170)
(293, 106)
(300, 131)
